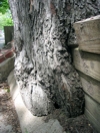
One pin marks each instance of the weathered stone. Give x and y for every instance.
(88, 34)
(87, 63)
(43, 66)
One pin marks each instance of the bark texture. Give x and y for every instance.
(43, 65)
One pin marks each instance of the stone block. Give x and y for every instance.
(87, 63)
(88, 34)
(90, 87)
(92, 112)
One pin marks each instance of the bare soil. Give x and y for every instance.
(79, 124)
(7, 111)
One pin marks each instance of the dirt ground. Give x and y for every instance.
(8, 116)
(79, 124)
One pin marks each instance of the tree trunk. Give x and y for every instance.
(43, 65)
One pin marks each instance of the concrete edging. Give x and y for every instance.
(28, 122)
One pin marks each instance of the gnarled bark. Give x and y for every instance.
(43, 66)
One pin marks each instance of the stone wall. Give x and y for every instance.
(87, 61)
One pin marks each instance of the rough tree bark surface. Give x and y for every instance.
(43, 65)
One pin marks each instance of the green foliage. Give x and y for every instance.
(4, 6)
(5, 15)
(5, 19)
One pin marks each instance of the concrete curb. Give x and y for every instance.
(28, 122)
